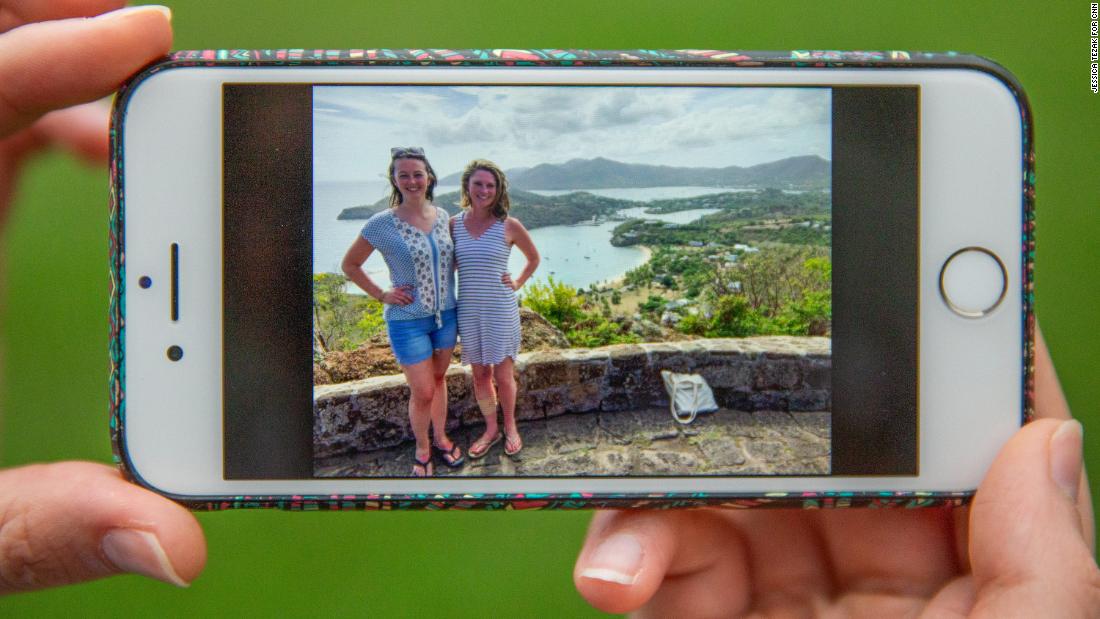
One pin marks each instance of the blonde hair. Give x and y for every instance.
(409, 153)
(500, 206)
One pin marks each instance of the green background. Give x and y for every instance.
(468, 564)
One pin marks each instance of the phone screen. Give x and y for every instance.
(759, 243)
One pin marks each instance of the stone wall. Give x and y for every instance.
(764, 373)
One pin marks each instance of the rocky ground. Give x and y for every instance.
(375, 358)
(646, 442)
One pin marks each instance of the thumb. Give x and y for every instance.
(76, 521)
(1028, 550)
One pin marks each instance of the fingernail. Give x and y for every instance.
(618, 559)
(1065, 456)
(139, 552)
(132, 10)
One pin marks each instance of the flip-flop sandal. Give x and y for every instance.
(484, 450)
(515, 451)
(448, 455)
(425, 467)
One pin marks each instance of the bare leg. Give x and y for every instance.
(485, 395)
(441, 360)
(421, 391)
(503, 372)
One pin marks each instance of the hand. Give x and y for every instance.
(398, 295)
(70, 522)
(76, 521)
(506, 279)
(1026, 550)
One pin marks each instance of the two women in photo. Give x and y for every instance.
(422, 247)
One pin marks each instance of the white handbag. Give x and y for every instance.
(688, 394)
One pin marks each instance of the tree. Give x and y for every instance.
(328, 303)
(341, 321)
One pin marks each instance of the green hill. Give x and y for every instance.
(534, 210)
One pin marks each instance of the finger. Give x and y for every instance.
(77, 521)
(917, 564)
(14, 13)
(1027, 547)
(37, 75)
(1050, 403)
(80, 130)
(787, 559)
(670, 563)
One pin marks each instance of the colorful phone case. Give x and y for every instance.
(567, 58)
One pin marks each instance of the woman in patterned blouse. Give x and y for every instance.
(412, 235)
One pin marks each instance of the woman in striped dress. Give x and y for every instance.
(488, 314)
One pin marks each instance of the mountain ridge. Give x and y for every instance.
(533, 209)
(799, 172)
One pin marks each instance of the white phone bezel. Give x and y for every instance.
(970, 195)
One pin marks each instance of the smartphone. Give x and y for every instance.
(760, 278)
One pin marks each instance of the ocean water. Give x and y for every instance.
(579, 255)
(645, 194)
(333, 237)
(582, 254)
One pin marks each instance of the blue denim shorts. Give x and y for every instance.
(414, 340)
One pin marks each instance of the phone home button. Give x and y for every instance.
(973, 282)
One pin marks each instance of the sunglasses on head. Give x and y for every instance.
(415, 151)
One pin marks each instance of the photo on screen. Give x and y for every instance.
(679, 321)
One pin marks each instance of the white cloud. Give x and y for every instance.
(524, 126)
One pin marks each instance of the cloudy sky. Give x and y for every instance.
(517, 126)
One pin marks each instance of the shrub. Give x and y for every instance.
(653, 305)
(372, 322)
(556, 301)
(730, 316)
(582, 323)
(693, 324)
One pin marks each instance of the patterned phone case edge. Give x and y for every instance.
(556, 57)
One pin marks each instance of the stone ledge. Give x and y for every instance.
(749, 374)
